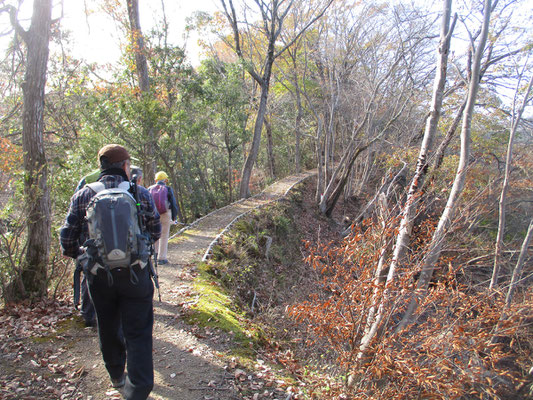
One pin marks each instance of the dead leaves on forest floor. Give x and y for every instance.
(33, 341)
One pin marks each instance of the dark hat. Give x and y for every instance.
(114, 153)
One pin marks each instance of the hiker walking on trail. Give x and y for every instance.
(168, 209)
(89, 178)
(137, 175)
(80, 288)
(116, 261)
(87, 308)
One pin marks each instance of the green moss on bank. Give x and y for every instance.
(215, 309)
(255, 262)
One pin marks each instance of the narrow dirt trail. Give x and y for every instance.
(187, 365)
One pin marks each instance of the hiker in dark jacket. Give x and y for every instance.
(87, 308)
(119, 301)
(137, 173)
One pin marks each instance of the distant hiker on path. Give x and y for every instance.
(168, 209)
(137, 173)
(116, 262)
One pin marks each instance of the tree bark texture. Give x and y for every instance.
(297, 131)
(35, 164)
(270, 149)
(141, 66)
(244, 190)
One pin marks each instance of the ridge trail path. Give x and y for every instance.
(188, 364)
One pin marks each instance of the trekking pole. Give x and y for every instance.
(153, 271)
(156, 272)
(77, 285)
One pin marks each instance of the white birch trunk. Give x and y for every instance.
(404, 233)
(437, 240)
(505, 187)
(406, 223)
(519, 266)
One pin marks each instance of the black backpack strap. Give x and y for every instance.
(134, 279)
(110, 280)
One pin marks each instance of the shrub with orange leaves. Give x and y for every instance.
(446, 354)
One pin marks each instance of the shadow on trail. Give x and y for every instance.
(183, 370)
(192, 236)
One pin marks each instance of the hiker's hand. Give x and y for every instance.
(81, 250)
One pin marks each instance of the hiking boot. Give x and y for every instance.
(162, 262)
(119, 382)
(90, 323)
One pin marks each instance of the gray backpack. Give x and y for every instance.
(115, 237)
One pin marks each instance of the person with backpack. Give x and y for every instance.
(137, 175)
(87, 308)
(167, 207)
(80, 288)
(89, 178)
(119, 225)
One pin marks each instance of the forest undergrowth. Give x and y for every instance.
(309, 289)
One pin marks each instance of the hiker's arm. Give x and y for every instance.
(71, 230)
(80, 186)
(173, 204)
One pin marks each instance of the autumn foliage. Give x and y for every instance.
(447, 353)
(10, 160)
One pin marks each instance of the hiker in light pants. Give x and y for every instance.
(168, 209)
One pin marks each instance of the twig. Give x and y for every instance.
(208, 388)
(253, 301)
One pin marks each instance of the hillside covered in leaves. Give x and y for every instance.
(417, 118)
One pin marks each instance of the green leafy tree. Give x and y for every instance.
(226, 99)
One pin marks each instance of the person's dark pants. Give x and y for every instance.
(129, 304)
(87, 308)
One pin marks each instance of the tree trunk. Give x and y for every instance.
(505, 187)
(36, 190)
(519, 265)
(230, 177)
(141, 66)
(273, 14)
(297, 133)
(367, 168)
(406, 223)
(332, 199)
(402, 239)
(244, 191)
(517, 273)
(437, 240)
(270, 149)
(329, 145)
(439, 154)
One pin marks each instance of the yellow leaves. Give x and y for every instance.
(10, 156)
